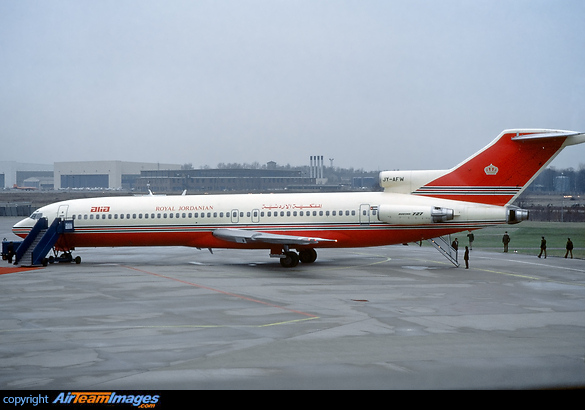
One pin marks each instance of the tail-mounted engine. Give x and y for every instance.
(413, 215)
(515, 215)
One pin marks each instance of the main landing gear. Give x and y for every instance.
(290, 259)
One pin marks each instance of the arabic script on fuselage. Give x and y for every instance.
(291, 206)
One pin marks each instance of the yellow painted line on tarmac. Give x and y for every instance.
(497, 272)
(328, 268)
(110, 328)
(530, 277)
(288, 322)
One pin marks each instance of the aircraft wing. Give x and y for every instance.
(246, 236)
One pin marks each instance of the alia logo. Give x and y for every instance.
(491, 169)
(100, 209)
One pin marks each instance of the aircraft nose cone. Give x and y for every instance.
(22, 228)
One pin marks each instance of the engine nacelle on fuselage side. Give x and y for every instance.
(413, 215)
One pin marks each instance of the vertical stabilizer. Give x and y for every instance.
(498, 173)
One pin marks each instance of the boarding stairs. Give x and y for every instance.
(40, 240)
(443, 245)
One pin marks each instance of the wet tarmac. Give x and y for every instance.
(396, 317)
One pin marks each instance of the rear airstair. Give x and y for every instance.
(443, 245)
(33, 250)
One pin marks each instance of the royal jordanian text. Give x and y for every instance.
(144, 401)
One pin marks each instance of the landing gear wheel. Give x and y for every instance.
(290, 260)
(308, 255)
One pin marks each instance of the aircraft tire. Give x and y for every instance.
(308, 255)
(290, 260)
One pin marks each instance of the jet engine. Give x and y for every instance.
(413, 215)
(516, 215)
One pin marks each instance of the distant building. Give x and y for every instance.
(562, 183)
(364, 182)
(15, 173)
(103, 174)
(221, 180)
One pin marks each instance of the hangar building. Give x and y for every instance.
(15, 173)
(103, 174)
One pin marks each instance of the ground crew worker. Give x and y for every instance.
(542, 247)
(506, 241)
(466, 257)
(569, 248)
(471, 237)
(455, 245)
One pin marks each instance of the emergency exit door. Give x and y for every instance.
(62, 212)
(364, 214)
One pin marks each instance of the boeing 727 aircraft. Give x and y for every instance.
(415, 206)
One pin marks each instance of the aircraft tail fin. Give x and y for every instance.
(498, 173)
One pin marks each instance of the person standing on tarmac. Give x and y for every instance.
(569, 248)
(542, 248)
(471, 237)
(466, 257)
(506, 241)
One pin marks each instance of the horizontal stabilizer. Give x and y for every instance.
(546, 135)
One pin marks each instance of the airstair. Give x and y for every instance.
(443, 245)
(40, 240)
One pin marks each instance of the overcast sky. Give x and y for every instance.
(373, 84)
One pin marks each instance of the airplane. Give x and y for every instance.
(414, 206)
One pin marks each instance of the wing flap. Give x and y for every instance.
(246, 236)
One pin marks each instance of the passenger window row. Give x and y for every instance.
(232, 214)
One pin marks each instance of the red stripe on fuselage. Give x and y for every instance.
(355, 236)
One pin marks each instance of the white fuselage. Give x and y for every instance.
(348, 219)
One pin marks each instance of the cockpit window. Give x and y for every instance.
(36, 215)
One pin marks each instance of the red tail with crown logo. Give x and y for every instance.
(497, 174)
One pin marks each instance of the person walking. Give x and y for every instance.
(506, 241)
(569, 248)
(542, 247)
(466, 257)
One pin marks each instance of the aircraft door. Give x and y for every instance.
(364, 214)
(235, 216)
(255, 216)
(62, 212)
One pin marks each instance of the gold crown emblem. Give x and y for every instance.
(491, 169)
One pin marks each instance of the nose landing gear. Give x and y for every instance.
(65, 257)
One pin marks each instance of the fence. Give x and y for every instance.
(15, 209)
